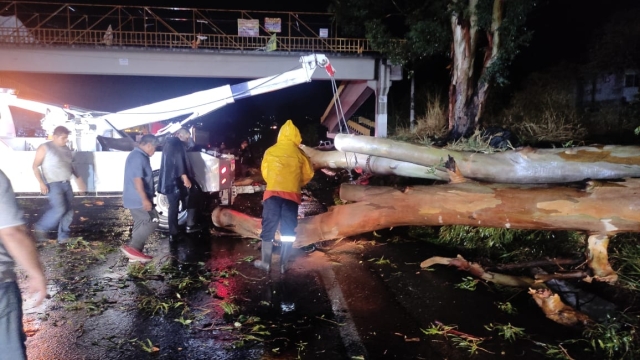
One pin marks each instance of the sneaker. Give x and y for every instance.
(135, 255)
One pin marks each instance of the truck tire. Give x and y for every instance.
(162, 206)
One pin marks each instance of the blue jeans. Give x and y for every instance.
(278, 211)
(12, 335)
(60, 214)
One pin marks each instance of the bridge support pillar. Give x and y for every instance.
(381, 88)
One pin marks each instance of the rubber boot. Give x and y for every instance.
(265, 263)
(285, 251)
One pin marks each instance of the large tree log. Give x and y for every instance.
(371, 164)
(521, 166)
(599, 209)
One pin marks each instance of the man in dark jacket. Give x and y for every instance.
(175, 181)
(245, 160)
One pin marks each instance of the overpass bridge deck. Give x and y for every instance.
(28, 22)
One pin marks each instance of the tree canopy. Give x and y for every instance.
(407, 31)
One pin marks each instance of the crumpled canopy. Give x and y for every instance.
(285, 167)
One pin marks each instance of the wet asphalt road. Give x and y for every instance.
(202, 299)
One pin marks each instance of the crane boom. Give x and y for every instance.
(86, 125)
(203, 102)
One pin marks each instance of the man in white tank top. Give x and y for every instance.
(52, 168)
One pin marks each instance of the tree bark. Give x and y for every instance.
(522, 166)
(556, 310)
(599, 209)
(468, 91)
(462, 89)
(371, 164)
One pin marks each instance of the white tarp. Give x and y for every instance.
(13, 31)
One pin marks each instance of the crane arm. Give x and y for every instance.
(203, 102)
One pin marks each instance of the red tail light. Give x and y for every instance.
(224, 181)
(224, 170)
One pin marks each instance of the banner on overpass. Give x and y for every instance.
(248, 27)
(273, 25)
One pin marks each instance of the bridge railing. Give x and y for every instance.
(54, 23)
(44, 36)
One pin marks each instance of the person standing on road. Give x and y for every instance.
(175, 181)
(53, 168)
(245, 161)
(15, 247)
(286, 169)
(137, 196)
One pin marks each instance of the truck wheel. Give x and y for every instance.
(162, 206)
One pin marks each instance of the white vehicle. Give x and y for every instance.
(101, 147)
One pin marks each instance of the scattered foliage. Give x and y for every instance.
(469, 283)
(616, 338)
(380, 261)
(468, 343)
(507, 308)
(508, 332)
(229, 308)
(148, 346)
(510, 245)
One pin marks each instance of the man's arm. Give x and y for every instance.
(37, 162)
(139, 186)
(23, 250)
(82, 187)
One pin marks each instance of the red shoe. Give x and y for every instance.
(135, 255)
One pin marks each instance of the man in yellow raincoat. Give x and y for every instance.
(286, 169)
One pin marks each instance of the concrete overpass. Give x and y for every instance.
(90, 45)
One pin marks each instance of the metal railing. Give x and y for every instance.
(177, 40)
(53, 24)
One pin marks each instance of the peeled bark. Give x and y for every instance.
(468, 91)
(371, 164)
(600, 209)
(462, 110)
(556, 310)
(522, 166)
(598, 259)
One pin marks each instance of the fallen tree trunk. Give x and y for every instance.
(600, 209)
(371, 164)
(522, 166)
(605, 209)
